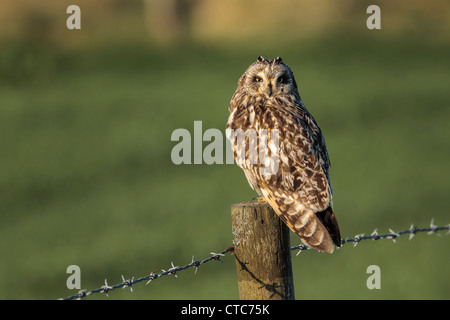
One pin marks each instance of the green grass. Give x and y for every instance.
(86, 176)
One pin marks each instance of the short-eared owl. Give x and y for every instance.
(280, 147)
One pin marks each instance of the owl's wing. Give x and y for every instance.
(299, 191)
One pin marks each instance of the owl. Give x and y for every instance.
(281, 149)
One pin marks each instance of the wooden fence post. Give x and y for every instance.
(262, 253)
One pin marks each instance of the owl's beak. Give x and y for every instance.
(269, 91)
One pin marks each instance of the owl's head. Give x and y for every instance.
(268, 78)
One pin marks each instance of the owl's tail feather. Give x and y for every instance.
(317, 230)
(329, 221)
(307, 225)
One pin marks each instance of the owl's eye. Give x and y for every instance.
(282, 79)
(257, 79)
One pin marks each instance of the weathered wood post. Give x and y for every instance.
(262, 253)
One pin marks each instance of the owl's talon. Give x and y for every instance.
(260, 199)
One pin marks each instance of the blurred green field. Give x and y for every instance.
(86, 176)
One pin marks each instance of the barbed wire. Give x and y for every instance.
(432, 229)
(128, 283)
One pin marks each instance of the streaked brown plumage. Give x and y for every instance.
(268, 104)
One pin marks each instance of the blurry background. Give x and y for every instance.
(86, 118)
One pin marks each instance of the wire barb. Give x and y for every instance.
(105, 288)
(412, 231)
(128, 283)
(81, 294)
(393, 235)
(216, 256)
(433, 228)
(195, 263)
(374, 234)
